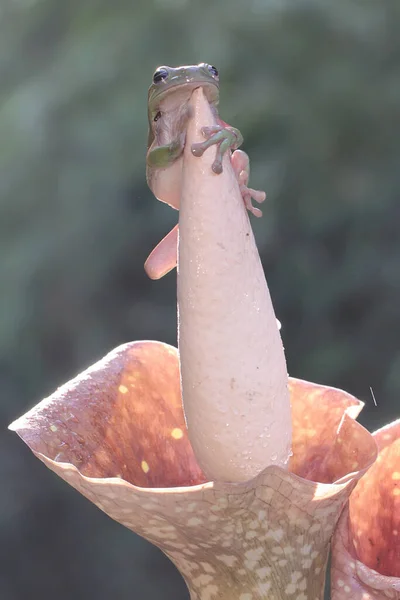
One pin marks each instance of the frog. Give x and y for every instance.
(168, 114)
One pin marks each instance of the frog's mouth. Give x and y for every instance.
(180, 93)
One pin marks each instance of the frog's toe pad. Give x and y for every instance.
(198, 149)
(217, 167)
(248, 194)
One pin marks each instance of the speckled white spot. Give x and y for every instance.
(209, 592)
(305, 523)
(222, 502)
(194, 521)
(239, 528)
(263, 572)
(266, 494)
(213, 518)
(193, 546)
(177, 545)
(347, 589)
(251, 534)
(111, 495)
(187, 566)
(254, 554)
(207, 567)
(283, 562)
(302, 585)
(263, 587)
(203, 579)
(126, 510)
(228, 559)
(276, 534)
(306, 563)
(306, 549)
(167, 528)
(246, 597)
(158, 533)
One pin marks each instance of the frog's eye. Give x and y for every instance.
(157, 116)
(213, 71)
(160, 75)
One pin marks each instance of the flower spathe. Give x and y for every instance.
(117, 434)
(366, 544)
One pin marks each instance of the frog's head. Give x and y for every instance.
(168, 80)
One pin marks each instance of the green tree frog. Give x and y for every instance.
(169, 113)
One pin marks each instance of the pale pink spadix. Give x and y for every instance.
(233, 369)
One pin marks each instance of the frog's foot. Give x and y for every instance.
(164, 256)
(241, 166)
(225, 138)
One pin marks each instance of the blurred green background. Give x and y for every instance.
(314, 86)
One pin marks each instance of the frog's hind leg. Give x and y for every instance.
(164, 256)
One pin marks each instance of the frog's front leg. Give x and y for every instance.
(161, 155)
(229, 138)
(225, 138)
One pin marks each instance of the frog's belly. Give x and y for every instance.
(166, 184)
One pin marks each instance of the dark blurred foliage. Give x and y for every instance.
(314, 87)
